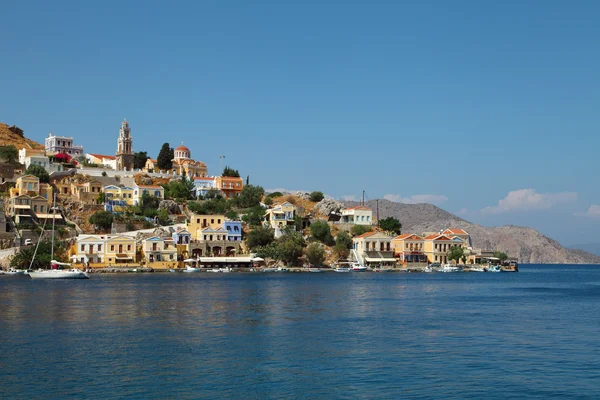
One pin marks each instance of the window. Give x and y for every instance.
(99, 247)
(197, 220)
(128, 247)
(219, 221)
(212, 220)
(83, 247)
(112, 247)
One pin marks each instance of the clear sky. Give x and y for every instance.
(489, 109)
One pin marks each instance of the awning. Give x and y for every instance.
(23, 206)
(228, 260)
(369, 259)
(123, 257)
(57, 216)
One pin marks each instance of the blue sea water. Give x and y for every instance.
(528, 335)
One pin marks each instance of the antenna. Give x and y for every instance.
(377, 202)
(221, 157)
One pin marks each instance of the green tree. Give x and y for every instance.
(343, 239)
(149, 202)
(165, 157)
(290, 247)
(320, 230)
(316, 196)
(39, 171)
(259, 236)
(178, 190)
(250, 196)
(22, 259)
(501, 255)
(275, 194)
(102, 220)
(101, 198)
(163, 217)
(268, 201)
(232, 215)
(231, 172)
(391, 224)
(358, 230)
(139, 159)
(16, 130)
(456, 253)
(254, 216)
(464, 259)
(315, 254)
(9, 153)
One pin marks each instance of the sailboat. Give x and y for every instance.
(55, 272)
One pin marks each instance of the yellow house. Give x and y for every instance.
(151, 165)
(153, 190)
(409, 248)
(437, 247)
(120, 249)
(31, 186)
(281, 215)
(157, 250)
(118, 193)
(198, 222)
(460, 233)
(374, 249)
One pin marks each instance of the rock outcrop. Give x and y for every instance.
(327, 206)
(171, 206)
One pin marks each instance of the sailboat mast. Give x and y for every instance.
(53, 217)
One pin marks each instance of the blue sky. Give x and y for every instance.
(488, 109)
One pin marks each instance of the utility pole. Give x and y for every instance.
(377, 202)
(221, 157)
(363, 198)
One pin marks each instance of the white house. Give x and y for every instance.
(100, 159)
(359, 215)
(91, 248)
(204, 184)
(63, 144)
(44, 162)
(374, 249)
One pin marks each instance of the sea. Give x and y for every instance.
(534, 334)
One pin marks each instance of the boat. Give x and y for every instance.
(449, 268)
(510, 267)
(268, 269)
(342, 269)
(283, 269)
(12, 271)
(356, 267)
(57, 270)
(475, 269)
(173, 270)
(191, 269)
(342, 266)
(493, 268)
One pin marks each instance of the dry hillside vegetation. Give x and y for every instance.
(7, 137)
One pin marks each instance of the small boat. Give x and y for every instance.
(475, 269)
(449, 268)
(356, 267)
(12, 272)
(225, 270)
(268, 270)
(190, 269)
(315, 270)
(493, 268)
(214, 270)
(283, 269)
(342, 269)
(383, 269)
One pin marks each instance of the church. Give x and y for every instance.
(183, 162)
(124, 148)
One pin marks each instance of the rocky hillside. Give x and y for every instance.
(8, 137)
(526, 243)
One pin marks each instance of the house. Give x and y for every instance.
(90, 249)
(437, 246)
(374, 249)
(151, 165)
(62, 144)
(229, 186)
(281, 215)
(204, 184)
(25, 152)
(234, 230)
(44, 162)
(359, 215)
(26, 209)
(214, 242)
(121, 194)
(157, 249)
(182, 237)
(153, 190)
(101, 159)
(183, 163)
(198, 222)
(409, 248)
(120, 249)
(460, 233)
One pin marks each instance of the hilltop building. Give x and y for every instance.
(62, 144)
(124, 154)
(183, 163)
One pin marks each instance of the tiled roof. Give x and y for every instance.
(150, 186)
(364, 235)
(103, 156)
(414, 236)
(456, 231)
(437, 237)
(359, 208)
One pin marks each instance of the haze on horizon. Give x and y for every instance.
(486, 110)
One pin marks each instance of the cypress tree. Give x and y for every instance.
(165, 157)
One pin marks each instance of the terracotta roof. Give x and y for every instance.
(408, 235)
(103, 156)
(456, 231)
(437, 237)
(150, 186)
(364, 235)
(359, 208)
(182, 148)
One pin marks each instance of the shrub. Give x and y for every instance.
(315, 254)
(316, 197)
(358, 230)
(321, 231)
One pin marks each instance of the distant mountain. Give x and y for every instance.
(593, 248)
(526, 243)
(8, 136)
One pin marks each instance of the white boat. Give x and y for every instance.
(342, 269)
(493, 268)
(55, 272)
(190, 265)
(173, 270)
(283, 269)
(12, 272)
(215, 270)
(356, 267)
(191, 269)
(449, 268)
(268, 270)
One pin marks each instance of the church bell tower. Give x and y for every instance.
(124, 148)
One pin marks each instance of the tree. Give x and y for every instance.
(268, 201)
(163, 217)
(247, 179)
(250, 196)
(16, 130)
(315, 254)
(23, 258)
(232, 215)
(149, 202)
(9, 153)
(178, 190)
(39, 171)
(341, 251)
(344, 239)
(260, 236)
(464, 259)
(320, 230)
(139, 159)
(456, 253)
(290, 247)
(358, 230)
(101, 198)
(165, 157)
(316, 197)
(254, 216)
(391, 224)
(231, 172)
(102, 219)
(502, 256)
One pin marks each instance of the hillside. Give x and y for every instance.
(526, 243)
(7, 137)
